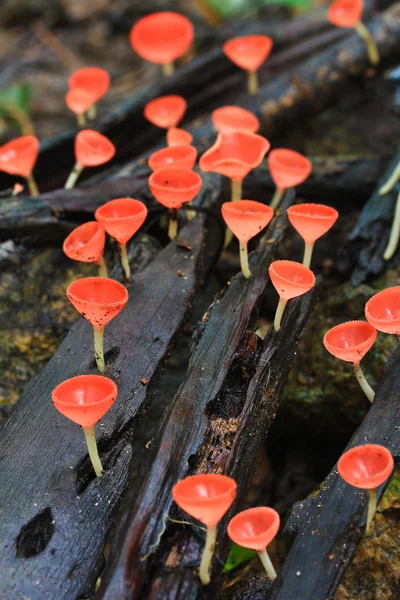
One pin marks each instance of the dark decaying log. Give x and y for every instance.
(216, 423)
(54, 516)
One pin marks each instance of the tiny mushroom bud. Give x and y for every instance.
(234, 118)
(178, 137)
(350, 342)
(248, 53)
(367, 467)
(91, 150)
(383, 310)
(79, 101)
(93, 80)
(122, 218)
(246, 218)
(288, 168)
(161, 38)
(86, 244)
(311, 221)
(85, 400)
(172, 187)
(206, 498)
(290, 279)
(165, 111)
(255, 528)
(99, 300)
(348, 13)
(18, 157)
(173, 156)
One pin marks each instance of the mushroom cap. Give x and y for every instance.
(98, 299)
(288, 168)
(162, 37)
(205, 497)
(383, 310)
(122, 218)
(366, 467)
(345, 13)
(165, 111)
(79, 100)
(178, 137)
(85, 399)
(173, 156)
(235, 154)
(290, 279)
(246, 218)
(173, 186)
(86, 242)
(254, 528)
(248, 52)
(19, 156)
(350, 341)
(312, 221)
(234, 118)
(94, 80)
(92, 148)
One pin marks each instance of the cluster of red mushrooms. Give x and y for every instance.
(162, 38)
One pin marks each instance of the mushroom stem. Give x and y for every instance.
(277, 198)
(308, 250)
(168, 69)
(236, 190)
(190, 214)
(211, 535)
(267, 564)
(125, 261)
(394, 232)
(244, 259)
(252, 83)
(372, 503)
(366, 388)
(279, 312)
(92, 112)
(81, 120)
(73, 176)
(372, 50)
(102, 268)
(173, 225)
(91, 443)
(32, 186)
(391, 182)
(98, 348)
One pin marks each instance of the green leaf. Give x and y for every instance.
(19, 95)
(243, 8)
(238, 556)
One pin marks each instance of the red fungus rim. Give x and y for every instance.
(377, 478)
(104, 380)
(74, 235)
(349, 325)
(238, 519)
(301, 210)
(162, 173)
(299, 266)
(161, 107)
(381, 320)
(231, 487)
(183, 152)
(142, 210)
(221, 116)
(206, 164)
(85, 141)
(102, 280)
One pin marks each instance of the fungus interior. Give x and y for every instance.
(383, 310)
(290, 279)
(234, 118)
(165, 111)
(177, 156)
(248, 53)
(86, 244)
(18, 157)
(91, 150)
(311, 221)
(288, 168)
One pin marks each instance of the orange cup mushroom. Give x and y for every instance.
(91, 150)
(122, 218)
(86, 244)
(350, 342)
(348, 13)
(287, 168)
(19, 157)
(255, 528)
(311, 221)
(246, 218)
(99, 300)
(173, 187)
(234, 118)
(249, 52)
(178, 137)
(166, 111)
(85, 400)
(161, 38)
(79, 102)
(290, 279)
(206, 498)
(173, 156)
(367, 467)
(382, 311)
(94, 81)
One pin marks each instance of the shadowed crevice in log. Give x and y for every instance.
(35, 536)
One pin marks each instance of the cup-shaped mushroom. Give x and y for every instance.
(86, 244)
(350, 342)
(311, 221)
(234, 118)
(91, 150)
(161, 38)
(165, 111)
(122, 218)
(94, 80)
(367, 467)
(79, 102)
(173, 156)
(248, 53)
(290, 279)
(255, 528)
(85, 400)
(246, 218)
(178, 137)
(383, 310)
(288, 168)
(99, 300)
(206, 498)
(18, 157)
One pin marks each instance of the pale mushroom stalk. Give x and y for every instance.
(204, 573)
(394, 232)
(252, 82)
(168, 69)
(81, 120)
(32, 186)
(372, 504)
(244, 259)
(73, 176)
(91, 443)
(308, 250)
(267, 564)
(372, 50)
(277, 198)
(279, 312)
(98, 348)
(92, 112)
(125, 261)
(102, 268)
(391, 182)
(366, 388)
(236, 190)
(173, 225)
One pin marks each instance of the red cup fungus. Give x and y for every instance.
(178, 137)
(79, 101)
(86, 244)
(91, 150)
(248, 53)
(255, 528)
(206, 498)
(85, 400)
(93, 80)
(366, 467)
(234, 118)
(99, 300)
(382, 311)
(288, 168)
(350, 342)
(173, 156)
(290, 279)
(165, 111)
(18, 157)
(122, 218)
